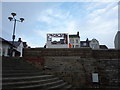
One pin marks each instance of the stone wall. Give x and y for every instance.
(106, 54)
(77, 65)
(38, 52)
(109, 70)
(81, 52)
(75, 70)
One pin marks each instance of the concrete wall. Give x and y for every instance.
(117, 40)
(76, 65)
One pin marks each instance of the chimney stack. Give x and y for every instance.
(78, 33)
(19, 40)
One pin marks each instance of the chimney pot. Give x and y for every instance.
(78, 33)
(19, 40)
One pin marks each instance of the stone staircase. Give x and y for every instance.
(18, 74)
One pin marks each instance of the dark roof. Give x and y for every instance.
(16, 43)
(25, 44)
(5, 41)
(83, 41)
(74, 36)
(87, 43)
(103, 47)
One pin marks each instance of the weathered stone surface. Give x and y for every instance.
(77, 65)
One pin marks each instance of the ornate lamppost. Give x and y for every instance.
(15, 20)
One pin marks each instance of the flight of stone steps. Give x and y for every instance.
(18, 74)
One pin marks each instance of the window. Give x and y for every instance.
(84, 44)
(71, 40)
(77, 46)
(3, 52)
(76, 40)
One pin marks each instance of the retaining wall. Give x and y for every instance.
(77, 65)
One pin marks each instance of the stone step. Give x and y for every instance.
(37, 85)
(10, 69)
(7, 69)
(26, 78)
(68, 86)
(58, 86)
(20, 71)
(16, 64)
(21, 74)
(28, 83)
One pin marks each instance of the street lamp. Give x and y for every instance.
(15, 20)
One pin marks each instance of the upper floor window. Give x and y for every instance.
(77, 46)
(71, 40)
(76, 40)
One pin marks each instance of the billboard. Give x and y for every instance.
(58, 38)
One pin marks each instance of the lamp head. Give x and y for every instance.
(13, 14)
(21, 19)
(10, 18)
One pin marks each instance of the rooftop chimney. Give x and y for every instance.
(78, 33)
(19, 40)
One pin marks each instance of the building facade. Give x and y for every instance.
(6, 47)
(85, 43)
(94, 44)
(74, 40)
(71, 41)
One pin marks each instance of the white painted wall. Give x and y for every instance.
(4, 49)
(20, 49)
(75, 42)
(94, 44)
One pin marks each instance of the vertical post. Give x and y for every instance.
(14, 31)
(13, 37)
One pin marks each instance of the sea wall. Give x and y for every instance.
(76, 65)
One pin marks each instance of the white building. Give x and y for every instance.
(19, 46)
(6, 46)
(94, 44)
(117, 40)
(74, 40)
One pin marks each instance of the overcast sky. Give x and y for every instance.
(97, 20)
